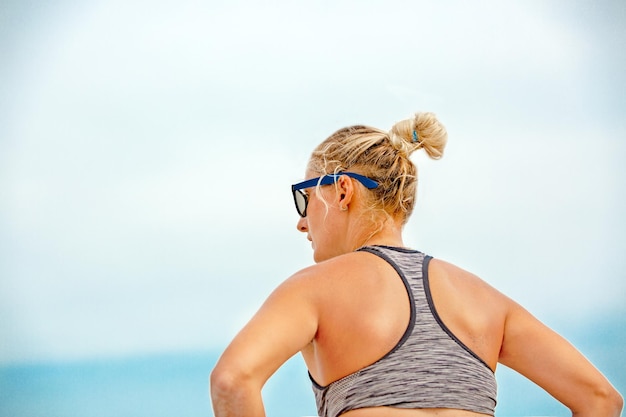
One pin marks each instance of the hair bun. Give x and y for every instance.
(424, 131)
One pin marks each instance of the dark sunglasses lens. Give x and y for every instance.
(300, 200)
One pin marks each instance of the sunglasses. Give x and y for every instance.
(302, 199)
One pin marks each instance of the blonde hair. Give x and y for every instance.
(384, 157)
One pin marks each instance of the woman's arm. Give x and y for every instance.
(532, 349)
(283, 326)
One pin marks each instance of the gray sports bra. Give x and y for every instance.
(428, 368)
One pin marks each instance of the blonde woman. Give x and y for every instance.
(386, 330)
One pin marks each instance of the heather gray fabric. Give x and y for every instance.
(428, 368)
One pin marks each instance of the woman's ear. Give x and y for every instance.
(345, 191)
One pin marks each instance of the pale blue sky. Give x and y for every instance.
(147, 148)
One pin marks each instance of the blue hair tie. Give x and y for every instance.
(415, 137)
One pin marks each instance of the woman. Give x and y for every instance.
(385, 330)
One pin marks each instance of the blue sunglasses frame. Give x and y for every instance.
(301, 199)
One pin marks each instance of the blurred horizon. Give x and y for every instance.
(168, 384)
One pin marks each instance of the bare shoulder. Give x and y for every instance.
(362, 311)
(473, 310)
(338, 270)
(327, 284)
(468, 284)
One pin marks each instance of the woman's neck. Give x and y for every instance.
(389, 233)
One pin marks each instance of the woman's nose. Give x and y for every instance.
(302, 225)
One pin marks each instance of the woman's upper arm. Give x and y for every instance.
(284, 325)
(537, 352)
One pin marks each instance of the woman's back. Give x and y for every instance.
(366, 312)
